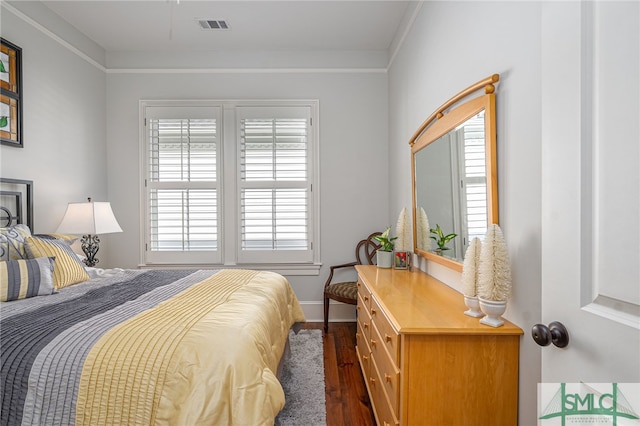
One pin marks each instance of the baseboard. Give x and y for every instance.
(338, 312)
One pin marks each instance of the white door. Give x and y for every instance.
(591, 195)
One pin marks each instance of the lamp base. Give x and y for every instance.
(90, 246)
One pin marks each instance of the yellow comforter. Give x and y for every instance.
(207, 356)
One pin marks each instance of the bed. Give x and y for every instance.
(170, 347)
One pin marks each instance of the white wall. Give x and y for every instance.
(64, 123)
(451, 46)
(81, 132)
(353, 152)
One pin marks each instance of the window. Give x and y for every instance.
(274, 183)
(473, 179)
(256, 207)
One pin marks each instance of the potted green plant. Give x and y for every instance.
(384, 255)
(441, 239)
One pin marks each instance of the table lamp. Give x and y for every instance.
(89, 219)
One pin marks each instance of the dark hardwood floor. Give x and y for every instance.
(345, 393)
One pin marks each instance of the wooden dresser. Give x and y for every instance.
(424, 361)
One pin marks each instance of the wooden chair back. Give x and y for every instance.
(366, 250)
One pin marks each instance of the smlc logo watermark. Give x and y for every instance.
(616, 404)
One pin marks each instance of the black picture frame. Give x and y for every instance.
(16, 202)
(10, 94)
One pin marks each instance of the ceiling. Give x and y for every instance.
(294, 25)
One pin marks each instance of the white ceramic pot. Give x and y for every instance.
(384, 258)
(474, 306)
(493, 310)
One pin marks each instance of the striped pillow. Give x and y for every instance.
(72, 241)
(68, 268)
(68, 238)
(20, 279)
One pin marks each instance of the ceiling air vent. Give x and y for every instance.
(213, 24)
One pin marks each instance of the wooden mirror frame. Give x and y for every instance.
(441, 122)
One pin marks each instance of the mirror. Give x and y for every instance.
(454, 179)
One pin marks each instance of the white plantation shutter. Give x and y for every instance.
(474, 178)
(275, 184)
(183, 150)
(257, 209)
(182, 184)
(274, 219)
(183, 220)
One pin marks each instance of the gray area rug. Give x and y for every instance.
(303, 381)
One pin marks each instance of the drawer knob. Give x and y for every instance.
(374, 342)
(357, 335)
(366, 298)
(387, 377)
(373, 311)
(365, 325)
(364, 357)
(372, 380)
(387, 338)
(386, 424)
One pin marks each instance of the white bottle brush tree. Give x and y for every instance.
(423, 232)
(494, 272)
(403, 232)
(470, 268)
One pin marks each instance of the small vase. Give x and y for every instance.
(473, 305)
(384, 259)
(493, 310)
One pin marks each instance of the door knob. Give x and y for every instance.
(555, 333)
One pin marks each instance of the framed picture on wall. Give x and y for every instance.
(10, 94)
(16, 202)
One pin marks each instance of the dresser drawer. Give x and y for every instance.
(389, 336)
(363, 338)
(388, 370)
(365, 302)
(364, 319)
(364, 353)
(364, 327)
(364, 293)
(383, 409)
(363, 307)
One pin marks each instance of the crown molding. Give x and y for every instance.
(53, 36)
(247, 71)
(396, 46)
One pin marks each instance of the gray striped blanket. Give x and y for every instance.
(44, 340)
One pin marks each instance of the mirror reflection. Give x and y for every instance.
(451, 189)
(454, 175)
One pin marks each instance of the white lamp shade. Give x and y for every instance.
(89, 218)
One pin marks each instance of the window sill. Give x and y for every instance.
(282, 269)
